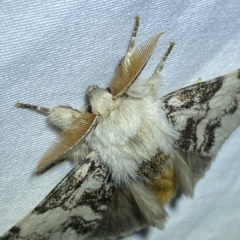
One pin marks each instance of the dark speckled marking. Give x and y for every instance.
(96, 199)
(11, 234)
(196, 98)
(59, 196)
(62, 194)
(191, 96)
(150, 169)
(188, 135)
(233, 108)
(68, 195)
(210, 134)
(80, 225)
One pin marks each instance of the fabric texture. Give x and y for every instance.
(51, 51)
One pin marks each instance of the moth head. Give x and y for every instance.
(101, 100)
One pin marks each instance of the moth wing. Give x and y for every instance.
(72, 210)
(204, 114)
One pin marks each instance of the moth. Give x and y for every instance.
(133, 151)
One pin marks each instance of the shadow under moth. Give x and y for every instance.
(133, 151)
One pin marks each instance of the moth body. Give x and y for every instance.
(129, 131)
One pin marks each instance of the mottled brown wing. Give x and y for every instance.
(205, 114)
(72, 210)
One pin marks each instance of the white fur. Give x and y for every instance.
(130, 130)
(63, 117)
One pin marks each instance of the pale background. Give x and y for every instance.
(50, 51)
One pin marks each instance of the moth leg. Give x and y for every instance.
(164, 58)
(152, 84)
(34, 107)
(61, 117)
(133, 38)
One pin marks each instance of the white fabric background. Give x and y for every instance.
(50, 51)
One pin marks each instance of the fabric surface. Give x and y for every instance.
(50, 51)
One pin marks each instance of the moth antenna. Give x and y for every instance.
(67, 140)
(33, 107)
(164, 58)
(131, 67)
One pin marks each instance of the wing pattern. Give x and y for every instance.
(72, 209)
(201, 113)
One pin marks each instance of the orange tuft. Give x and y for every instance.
(165, 187)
